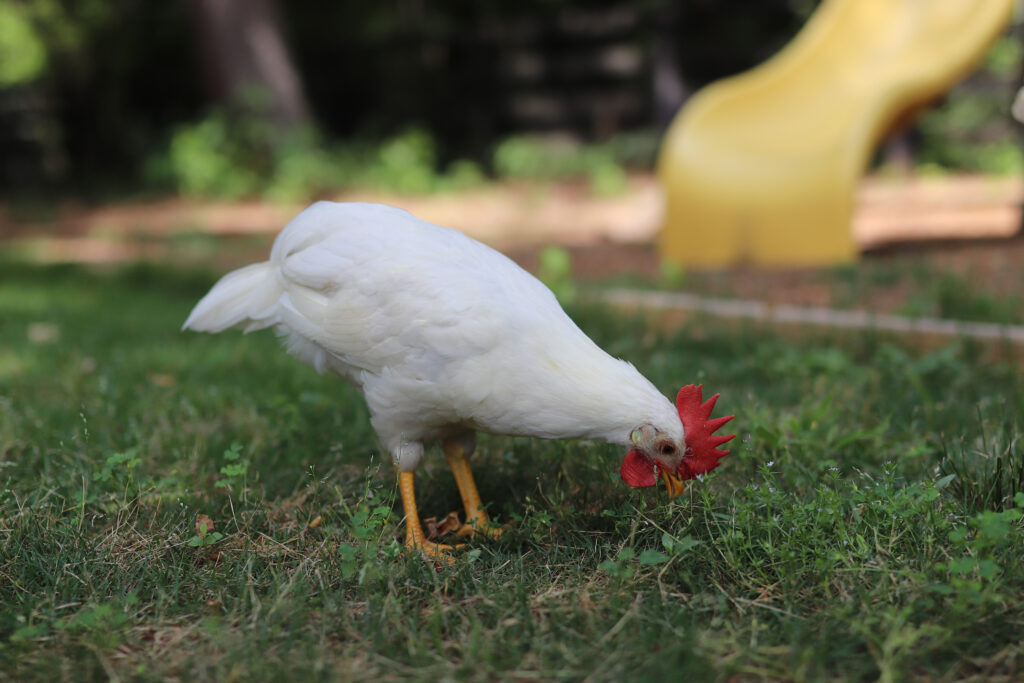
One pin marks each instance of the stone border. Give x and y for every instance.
(1004, 340)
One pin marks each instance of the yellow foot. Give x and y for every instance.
(415, 539)
(483, 527)
(477, 521)
(434, 552)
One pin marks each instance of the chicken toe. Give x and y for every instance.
(477, 521)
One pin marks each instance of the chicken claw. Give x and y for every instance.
(477, 521)
(415, 539)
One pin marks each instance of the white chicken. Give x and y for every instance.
(445, 337)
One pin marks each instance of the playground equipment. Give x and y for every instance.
(762, 167)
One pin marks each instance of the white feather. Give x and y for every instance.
(246, 296)
(442, 334)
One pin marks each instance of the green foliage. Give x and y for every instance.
(22, 52)
(954, 297)
(528, 158)
(204, 537)
(120, 464)
(861, 527)
(69, 28)
(972, 130)
(406, 163)
(235, 471)
(987, 471)
(302, 171)
(209, 159)
(1005, 57)
(554, 268)
(99, 626)
(621, 566)
(369, 522)
(671, 275)
(944, 153)
(226, 157)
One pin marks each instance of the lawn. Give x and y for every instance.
(866, 525)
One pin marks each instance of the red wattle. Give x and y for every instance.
(637, 471)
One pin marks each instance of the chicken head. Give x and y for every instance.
(657, 455)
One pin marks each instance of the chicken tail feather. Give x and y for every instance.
(245, 297)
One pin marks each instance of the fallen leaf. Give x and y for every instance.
(204, 525)
(317, 521)
(432, 529)
(162, 380)
(43, 333)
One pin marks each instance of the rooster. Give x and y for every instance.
(446, 337)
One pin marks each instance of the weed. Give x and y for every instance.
(205, 535)
(235, 471)
(119, 468)
(988, 471)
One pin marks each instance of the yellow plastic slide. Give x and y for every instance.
(762, 167)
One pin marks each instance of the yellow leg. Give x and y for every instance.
(477, 521)
(414, 536)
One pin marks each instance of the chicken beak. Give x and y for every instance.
(673, 484)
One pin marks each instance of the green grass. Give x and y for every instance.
(867, 524)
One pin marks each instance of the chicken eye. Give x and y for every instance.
(668, 449)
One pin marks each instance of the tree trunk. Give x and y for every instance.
(668, 88)
(246, 60)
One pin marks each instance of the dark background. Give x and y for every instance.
(121, 79)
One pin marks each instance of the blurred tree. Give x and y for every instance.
(22, 52)
(116, 76)
(668, 88)
(94, 92)
(28, 141)
(245, 60)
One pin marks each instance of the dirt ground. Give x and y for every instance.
(967, 225)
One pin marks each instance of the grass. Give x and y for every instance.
(867, 524)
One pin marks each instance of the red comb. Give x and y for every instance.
(702, 452)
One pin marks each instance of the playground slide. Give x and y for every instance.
(762, 167)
